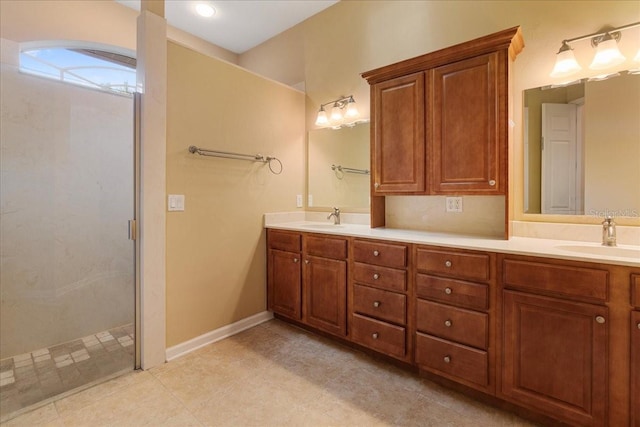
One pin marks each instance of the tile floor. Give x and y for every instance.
(270, 375)
(29, 378)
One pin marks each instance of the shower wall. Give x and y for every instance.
(66, 193)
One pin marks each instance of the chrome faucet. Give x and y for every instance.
(608, 232)
(336, 216)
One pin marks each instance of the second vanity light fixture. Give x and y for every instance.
(343, 113)
(607, 53)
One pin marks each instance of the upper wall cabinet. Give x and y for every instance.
(440, 121)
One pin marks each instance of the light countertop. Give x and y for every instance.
(627, 255)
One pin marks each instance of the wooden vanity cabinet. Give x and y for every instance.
(635, 352)
(453, 317)
(555, 351)
(469, 126)
(379, 300)
(284, 284)
(398, 138)
(325, 283)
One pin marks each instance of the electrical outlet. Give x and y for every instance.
(454, 204)
(299, 200)
(310, 200)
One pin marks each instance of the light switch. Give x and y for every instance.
(176, 202)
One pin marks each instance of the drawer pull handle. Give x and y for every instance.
(295, 260)
(447, 263)
(374, 335)
(447, 359)
(638, 325)
(376, 276)
(376, 253)
(492, 182)
(448, 323)
(600, 319)
(376, 304)
(448, 291)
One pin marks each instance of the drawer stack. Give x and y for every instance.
(635, 350)
(378, 315)
(452, 320)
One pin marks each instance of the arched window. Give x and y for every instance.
(89, 65)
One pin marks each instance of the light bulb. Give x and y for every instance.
(566, 63)
(607, 54)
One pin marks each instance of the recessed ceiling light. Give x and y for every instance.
(205, 10)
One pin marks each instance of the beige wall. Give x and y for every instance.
(216, 257)
(355, 36)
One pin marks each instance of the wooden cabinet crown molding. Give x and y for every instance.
(510, 39)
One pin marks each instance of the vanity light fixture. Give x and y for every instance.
(607, 52)
(343, 113)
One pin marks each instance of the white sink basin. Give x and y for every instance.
(614, 251)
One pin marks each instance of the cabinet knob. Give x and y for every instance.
(447, 359)
(376, 253)
(296, 260)
(376, 276)
(600, 319)
(376, 185)
(638, 325)
(374, 335)
(447, 263)
(376, 304)
(448, 323)
(448, 291)
(492, 182)
(306, 261)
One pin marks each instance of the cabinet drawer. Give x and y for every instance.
(635, 290)
(451, 291)
(376, 253)
(456, 324)
(453, 359)
(283, 240)
(380, 304)
(380, 277)
(454, 264)
(326, 247)
(383, 337)
(570, 281)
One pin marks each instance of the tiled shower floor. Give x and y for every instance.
(29, 378)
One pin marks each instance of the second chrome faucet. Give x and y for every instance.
(336, 216)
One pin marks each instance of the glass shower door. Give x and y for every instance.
(67, 276)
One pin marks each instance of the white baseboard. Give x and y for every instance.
(217, 335)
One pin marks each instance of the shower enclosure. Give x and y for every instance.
(67, 266)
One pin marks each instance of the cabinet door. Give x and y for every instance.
(555, 357)
(468, 140)
(325, 294)
(399, 143)
(635, 368)
(284, 284)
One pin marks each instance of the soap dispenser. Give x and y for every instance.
(608, 232)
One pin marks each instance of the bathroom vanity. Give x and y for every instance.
(525, 322)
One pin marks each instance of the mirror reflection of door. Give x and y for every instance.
(562, 183)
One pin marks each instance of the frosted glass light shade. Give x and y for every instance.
(607, 55)
(352, 110)
(566, 63)
(336, 113)
(637, 57)
(321, 119)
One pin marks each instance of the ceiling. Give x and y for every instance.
(238, 25)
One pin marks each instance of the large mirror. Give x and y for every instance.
(582, 148)
(338, 167)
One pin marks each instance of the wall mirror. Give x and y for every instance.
(582, 148)
(338, 168)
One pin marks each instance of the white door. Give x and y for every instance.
(559, 158)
